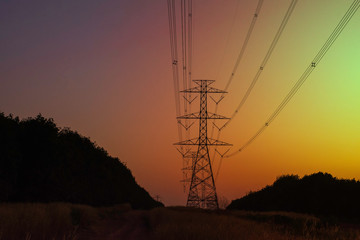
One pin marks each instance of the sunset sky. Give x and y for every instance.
(103, 68)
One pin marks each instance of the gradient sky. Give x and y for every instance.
(103, 68)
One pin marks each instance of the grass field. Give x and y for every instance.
(65, 221)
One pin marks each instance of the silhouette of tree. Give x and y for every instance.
(39, 162)
(319, 193)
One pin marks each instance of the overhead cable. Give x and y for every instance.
(174, 58)
(263, 64)
(265, 60)
(242, 50)
(314, 63)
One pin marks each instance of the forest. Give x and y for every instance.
(319, 194)
(41, 162)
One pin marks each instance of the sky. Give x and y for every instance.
(103, 68)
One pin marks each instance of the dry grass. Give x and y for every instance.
(180, 223)
(69, 222)
(173, 225)
(43, 221)
(302, 225)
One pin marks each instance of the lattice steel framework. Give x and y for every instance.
(202, 192)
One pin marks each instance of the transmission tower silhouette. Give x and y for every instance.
(202, 192)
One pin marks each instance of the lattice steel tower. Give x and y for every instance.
(202, 192)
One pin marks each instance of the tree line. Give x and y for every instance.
(40, 162)
(320, 194)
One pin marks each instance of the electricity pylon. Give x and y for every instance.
(202, 192)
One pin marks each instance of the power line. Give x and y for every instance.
(265, 60)
(186, 18)
(237, 63)
(184, 50)
(245, 43)
(190, 47)
(174, 58)
(184, 47)
(238, 60)
(263, 64)
(186, 62)
(242, 51)
(318, 57)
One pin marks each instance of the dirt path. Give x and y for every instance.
(129, 227)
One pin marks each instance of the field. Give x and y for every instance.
(65, 221)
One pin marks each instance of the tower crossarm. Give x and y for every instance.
(214, 142)
(199, 90)
(194, 141)
(203, 87)
(190, 116)
(215, 116)
(197, 115)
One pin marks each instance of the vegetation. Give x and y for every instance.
(57, 184)
(320, 194)
(39, 162)
(64, 221)
(182, 223)
(41, 221)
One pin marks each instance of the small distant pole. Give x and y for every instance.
(157, 198)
